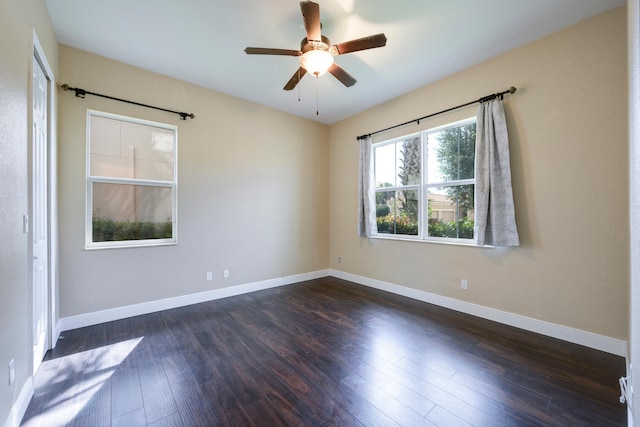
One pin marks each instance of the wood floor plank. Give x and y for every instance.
(362, 409)
(157, 397)
(126, 394)
(93, 405)
(229, 409)
(389, 404)
(442, 417)
(172, 420)
(131, 419)
(192, 404)
(324, 352)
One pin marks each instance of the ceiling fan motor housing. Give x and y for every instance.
(324, 44)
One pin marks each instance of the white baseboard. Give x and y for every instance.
(20, 406)
(88, 319)
(576, 336)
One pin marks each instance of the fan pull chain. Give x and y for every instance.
(298, 84)
(317, 96)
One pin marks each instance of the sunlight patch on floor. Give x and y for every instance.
(69, 396)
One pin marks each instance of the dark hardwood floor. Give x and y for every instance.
(317, 353)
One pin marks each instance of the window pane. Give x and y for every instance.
(451, 211)
(408, 164)
(131, 212)
(398, 164)
(451, 154)
(121, 149)
(397, 212)
(385, 166)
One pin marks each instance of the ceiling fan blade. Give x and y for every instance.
(311, 17)
(370, 42)
(295, 79)
(339, 73)
(270, 51)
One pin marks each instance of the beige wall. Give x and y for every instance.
(18, 20)
(252, 191)
(568, 129)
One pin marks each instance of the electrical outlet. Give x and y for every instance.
(339, 260)
(464, 285)
(225, 273)
(12, 371)
(209, 275)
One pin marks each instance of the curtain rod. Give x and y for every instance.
(80, 93)
(483, 99)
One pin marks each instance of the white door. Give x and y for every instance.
(39, 216)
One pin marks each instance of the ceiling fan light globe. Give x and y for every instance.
(316, 61)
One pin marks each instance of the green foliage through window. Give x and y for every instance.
(108, 230)
(401, 224)
(460, 229)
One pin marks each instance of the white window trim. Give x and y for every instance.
(90, 180)
(423, 189)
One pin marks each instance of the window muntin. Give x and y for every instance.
(425, 184)
(131, 181)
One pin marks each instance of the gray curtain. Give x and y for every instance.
(366, 191)
(495, 222)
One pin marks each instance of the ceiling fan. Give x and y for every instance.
(316, 51)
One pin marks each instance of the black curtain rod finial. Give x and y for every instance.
(80, 93)
(499, 95)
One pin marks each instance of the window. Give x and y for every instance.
(131, 181)
(425, 183)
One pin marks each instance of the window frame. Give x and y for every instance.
(91, 180)
(424, 185)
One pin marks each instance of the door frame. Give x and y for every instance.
(53, 332)
(633, 34)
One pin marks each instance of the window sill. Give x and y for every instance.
(467, 243)
(146, 244)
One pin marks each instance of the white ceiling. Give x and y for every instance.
(203, 41)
